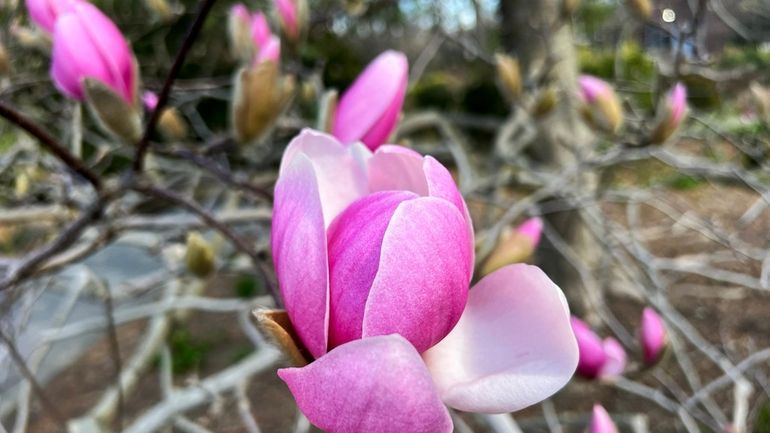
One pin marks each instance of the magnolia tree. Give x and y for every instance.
(397, 251)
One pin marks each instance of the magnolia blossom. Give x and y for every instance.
(601, 421)
(514, 246)
(289, 14)
(671, 112)
(652, 333)
(369, 109)
(532, 229)
(598, 359)
(374, 255)
(602, 108)
(45, 12)
(87, 44)
(250, 35)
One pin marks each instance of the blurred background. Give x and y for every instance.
(680, 224)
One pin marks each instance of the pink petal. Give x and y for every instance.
(299, 252)
(75, 57)
(270, 51)
(397, 168)
(287, 11)
(355, 240)
(260, 30)
(601, 421)
(592, 88)
(512, 347)
(592, 356)
(112, 46)
(616, 358)
(422, 282)
(341, 170)
(678, 103)
(374, 385)
(653, 336)
(372, 103)
(532, 229)
(150, 100)
(45, 12)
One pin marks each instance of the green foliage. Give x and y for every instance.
(187, 352)
(763, 419)
(437, 90)
(247, 286)
(7, 140)
(684, 182)
(744, 56)
(592, 16)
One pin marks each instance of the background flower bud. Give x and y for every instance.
(163, 9)
(615, 363)
(514, 246)
(601, 421)
(293, 15)
(590, 347)
(5, 64)
(369, 109)
(44, 13)
(239, 33)
(87, 44)
(172, 125)
(545, 103)
(652, 335)
(569, 7)
(260, 95)
(509, 75)
(601, 106)
(671, 112)
(199, 255)
(112, 113)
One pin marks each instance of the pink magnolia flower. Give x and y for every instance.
(45, 12)
(271, 51)
(150, 100)
(593, 89)
(653, 336)
(374, 255)
(598, 359)
(601, 421)
(260, 30)
(288, 13)
(369, 109)
(677, 102)
(672, 110)
(87, 44)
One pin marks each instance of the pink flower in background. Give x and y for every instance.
(45, 12)
(150, 100)
(260, 30)
(677, 103)
(601, 421)
(652, 334)
(369, 109)
(87, 44)
(288, 12)
(271, 51)
(598, 359)
(593, 89)
(532, 229)
(374, 254)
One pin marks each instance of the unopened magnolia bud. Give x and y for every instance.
(327, 108)
(30, 38)
(239, 32)
(601, 421)
(112, 112)
(569, 7)
(652, 336)
(642, 9)
(545, 102)
(172, 125)
(601, 106)
(293, 15)
(514, 246)
(672, 110)
(21, 185)
(260, 95)
(199, 256)
(509, 75)
(5, 64)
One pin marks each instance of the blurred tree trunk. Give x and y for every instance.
(536, 33)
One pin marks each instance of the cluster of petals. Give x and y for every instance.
(374, 257)
(599, 358)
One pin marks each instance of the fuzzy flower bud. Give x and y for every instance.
(652, 335)
(601, 421)
(509, 75)
(514, 246)
(601, 106)
(199, 255)
(671, 112)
